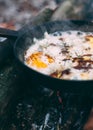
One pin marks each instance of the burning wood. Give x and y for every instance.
(9, 25)
(89, 123)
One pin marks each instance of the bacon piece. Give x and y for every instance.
(56, 74)
(59, 74)
(84, 62)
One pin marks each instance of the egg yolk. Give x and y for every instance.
(90, 39)
(36, 60)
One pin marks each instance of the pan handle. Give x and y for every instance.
(7, 40)
(8, 33)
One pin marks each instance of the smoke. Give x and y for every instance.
(21, 12)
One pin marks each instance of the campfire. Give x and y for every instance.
(41, 108)
(44, 109)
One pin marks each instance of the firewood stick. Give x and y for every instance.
(89, 123)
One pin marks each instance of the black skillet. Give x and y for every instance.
(25, 40)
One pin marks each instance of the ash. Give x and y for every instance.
(45, 109)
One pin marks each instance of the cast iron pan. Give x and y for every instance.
(25, 40)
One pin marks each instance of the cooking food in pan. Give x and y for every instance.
(57, 55)
(63, 55)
